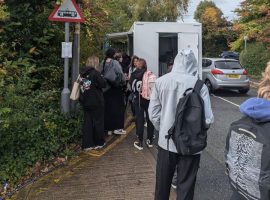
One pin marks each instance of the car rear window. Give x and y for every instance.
(228, 65)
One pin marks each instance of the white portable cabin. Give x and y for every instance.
(157, 42)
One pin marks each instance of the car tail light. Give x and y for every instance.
(245, 72)
(216, 71)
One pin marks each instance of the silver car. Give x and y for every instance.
(220, 73)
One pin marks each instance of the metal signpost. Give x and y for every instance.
(246, 39)
(65, 92)
(67, 12)
(76, 59)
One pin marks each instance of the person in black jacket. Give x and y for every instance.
(114, 95)
(92, 100)
(141, 106)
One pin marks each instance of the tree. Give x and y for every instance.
(104, 17)
(254, 22)
(203, 5)
(215, 28)
(159, 10)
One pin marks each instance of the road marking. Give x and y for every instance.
(226, 100)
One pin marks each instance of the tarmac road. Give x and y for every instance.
(212, 183)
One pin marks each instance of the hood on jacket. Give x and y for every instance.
(257, 109)
(185, 62)
(85, 71)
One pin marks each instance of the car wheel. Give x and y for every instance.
(209, 86)
(243, 91)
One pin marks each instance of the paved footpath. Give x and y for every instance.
(121, 173)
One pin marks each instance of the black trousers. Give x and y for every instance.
(187, 168)
(130, 101)
(141, 108)
(93, 127)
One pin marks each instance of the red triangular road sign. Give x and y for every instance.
(67, 12)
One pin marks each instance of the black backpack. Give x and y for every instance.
(189, 132)
(247, 157)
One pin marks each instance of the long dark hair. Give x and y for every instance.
(109, 54)
(118, 56)
(132, 61)
(144, 63)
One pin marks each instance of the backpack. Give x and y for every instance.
(189, 132)
(112, 75)
(148, 82)
(247, 157)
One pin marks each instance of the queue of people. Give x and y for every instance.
(161, 103)
(106, 90)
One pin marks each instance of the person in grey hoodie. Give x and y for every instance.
(166, 93)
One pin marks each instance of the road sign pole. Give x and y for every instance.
(65, 101)
(76, 58)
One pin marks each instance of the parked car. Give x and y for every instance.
(230, 54)
(220, 73)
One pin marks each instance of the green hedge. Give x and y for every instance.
(255, 58)
(32, 129)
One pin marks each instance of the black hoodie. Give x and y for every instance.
(136, 81)
(92, 96)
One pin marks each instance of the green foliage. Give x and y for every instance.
(3, 13)
(216, 30)
(103, 17)
(203, 5)
(32, 128)
(158, 10)
(254, 22)
(255, 58)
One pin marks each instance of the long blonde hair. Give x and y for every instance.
(264, 86)
(92, 61)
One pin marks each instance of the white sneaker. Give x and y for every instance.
(149, 143)
(100, 146)
(174, 186)
(120, 132)
(138, 145)
(89, 149)
(110, 132)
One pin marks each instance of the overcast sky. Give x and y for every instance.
(227, 7)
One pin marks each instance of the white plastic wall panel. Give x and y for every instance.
(146, 40)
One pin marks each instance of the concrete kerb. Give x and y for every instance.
(66, 171)
(254, 84)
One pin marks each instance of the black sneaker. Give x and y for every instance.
(149, 143)
(138, 145)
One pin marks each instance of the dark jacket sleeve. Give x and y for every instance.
(100, 81)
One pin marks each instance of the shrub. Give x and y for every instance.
(254, 58)
(32, 129)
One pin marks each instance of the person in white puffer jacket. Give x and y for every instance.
(165, 96)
